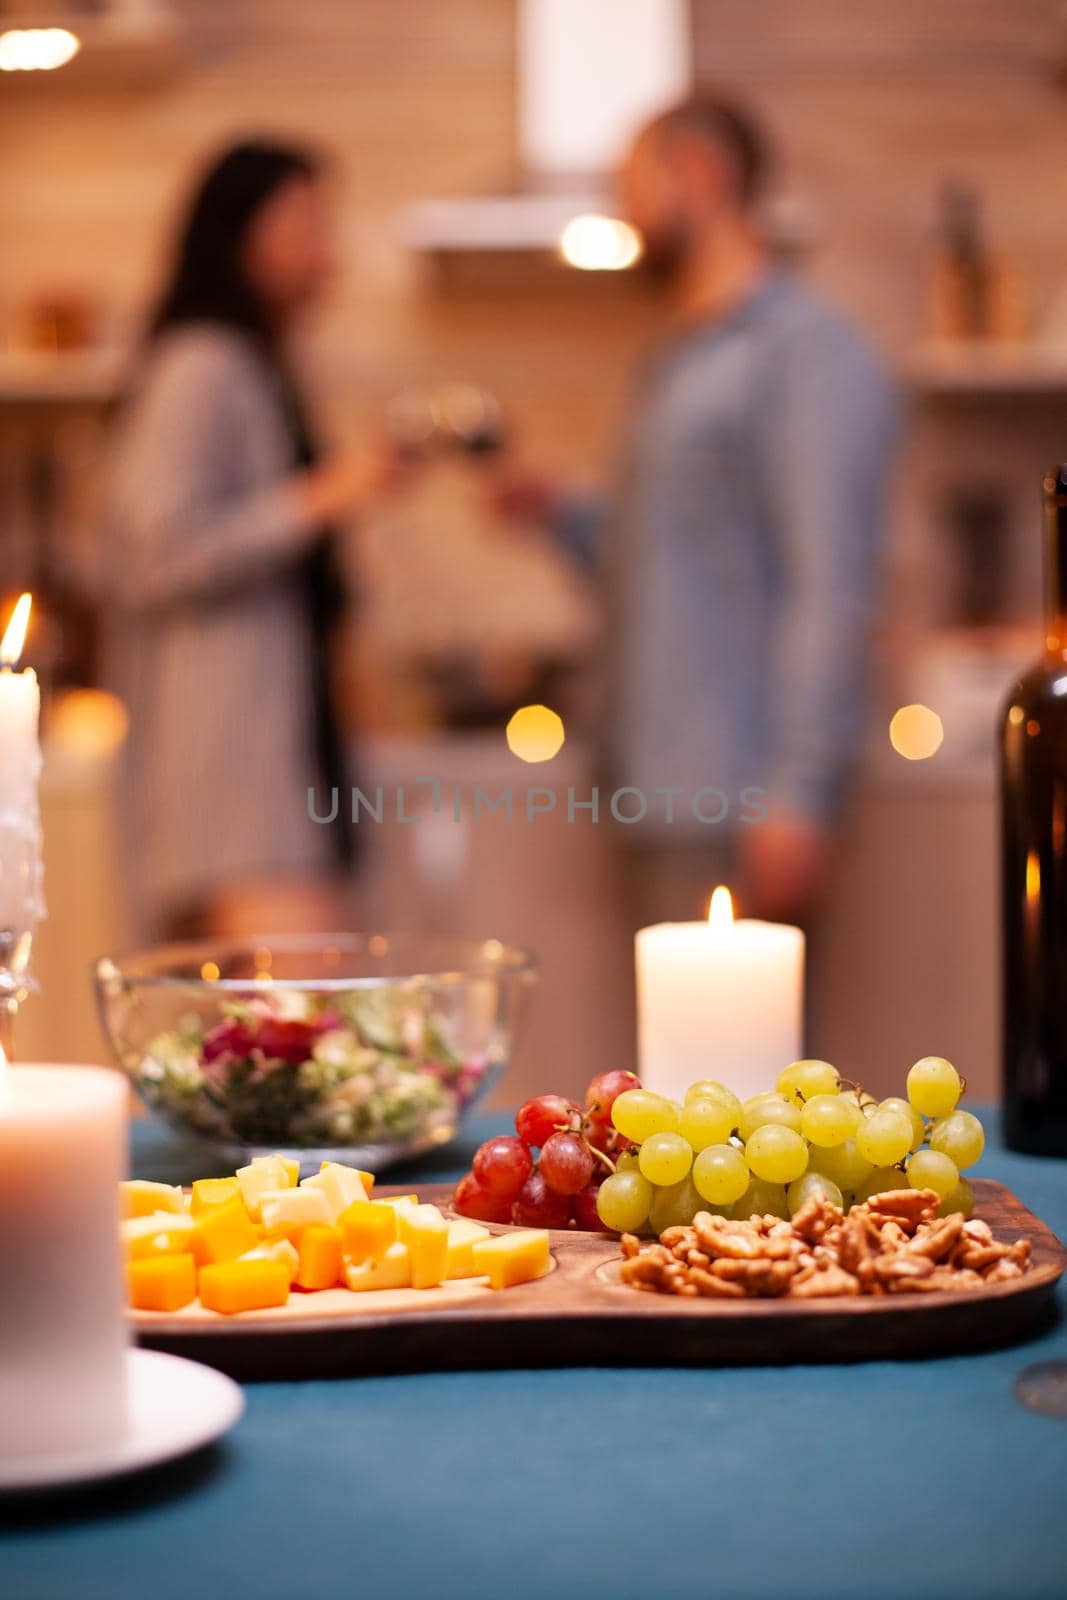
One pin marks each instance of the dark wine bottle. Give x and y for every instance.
(1034, 868)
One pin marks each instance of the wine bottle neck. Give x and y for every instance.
(1056, 573)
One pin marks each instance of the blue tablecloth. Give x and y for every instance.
(917, 1479)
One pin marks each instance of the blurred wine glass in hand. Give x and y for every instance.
(453, 417)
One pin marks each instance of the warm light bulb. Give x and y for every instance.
(15, 632)
(916, 732)
(721, 908)
(37, 49)
(595, 243)
(535, 733)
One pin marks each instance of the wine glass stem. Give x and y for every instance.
(9, 1010)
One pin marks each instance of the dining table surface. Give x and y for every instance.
(908, 1480)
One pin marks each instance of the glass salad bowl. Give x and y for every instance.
(360, 1048)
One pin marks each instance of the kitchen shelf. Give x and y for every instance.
(75, 377)
(986, 368)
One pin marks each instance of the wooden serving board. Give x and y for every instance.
(581, 1314)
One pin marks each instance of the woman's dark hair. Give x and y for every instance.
(207, 282)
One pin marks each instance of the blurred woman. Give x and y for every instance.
(220, 508)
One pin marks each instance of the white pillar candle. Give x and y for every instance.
(21, 875)
(63, 1137)
(718, 999)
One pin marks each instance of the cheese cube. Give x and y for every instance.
(290, 1166)
(321, 1262)
(231, 1286)
(404, 1201)
(366, 1178)
(139, 1198)
(510, 1258)
(165, 1233)
(341, 1185)
(286, 1212)
(425, 1232)
(463, 1235)
(367, 1230)
(276, 1250)
(390, 1271)
(262, 1176)
(209, 1192)
(161, 1283)
(223, 1233)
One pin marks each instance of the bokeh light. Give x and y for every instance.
(594, 243)
(535, 733)
(916, 732)
(37, 49)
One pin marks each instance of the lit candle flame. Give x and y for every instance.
(721, 908)
(15, 633)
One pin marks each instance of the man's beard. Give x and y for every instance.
(665, 253)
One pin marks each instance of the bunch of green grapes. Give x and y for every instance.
(768, 1155)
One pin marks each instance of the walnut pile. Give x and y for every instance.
(895, 1243)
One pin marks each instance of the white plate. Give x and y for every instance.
(174, 1406)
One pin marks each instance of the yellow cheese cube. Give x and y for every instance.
(390, 1271)
(223, 1233)
(231, 1286)
(463, 1235)
(367, 1230)
(321, 1260)
(290, 1166)
(209, 1192)
(366, 1178)
(276, 1250)
(287, 1212)
(139, 1198)
(165, 1233)
(510, 1258)
(161, 1283)
(402, 1200)
(425, 1232)
(341, 1185)
(262, 1176)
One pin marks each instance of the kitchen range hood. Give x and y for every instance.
(589, 72)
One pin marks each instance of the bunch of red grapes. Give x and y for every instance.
(546, 1174)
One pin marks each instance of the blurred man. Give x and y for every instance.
(744, 541)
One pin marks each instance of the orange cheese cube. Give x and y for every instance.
(463, 1235)
(231, 1286)
(161, 1283)
(139, 1198)
(223, 1233)
(209, 1192)
(510, 1258)
(390, 1271)
(367, 1230)
(320, 1257)
(165, 1233)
